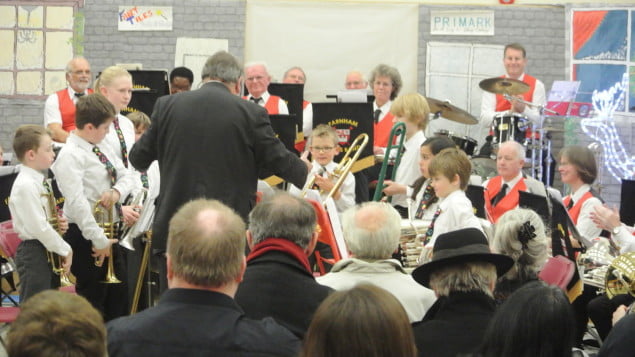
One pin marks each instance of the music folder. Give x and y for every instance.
(293, 95)
(285, 128)
(477, 196)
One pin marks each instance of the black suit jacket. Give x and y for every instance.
(277, 285)
(210, 144)
(189, 322)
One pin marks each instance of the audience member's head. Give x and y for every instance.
(363, 321)
(510, 160)
(412, 109)
(371, 230)
(462, 262)
(283, 216)
(536, 320)
(181, 79)
(78, 74)
(355, 80)
(206, 246)
(294, 75)
(257, 78)
(223, 67)
(520, 234)
(386, 83)
(577, 165)
(55, 323)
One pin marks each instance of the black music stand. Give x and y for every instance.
(293, 95)
(627, 213)
(349, 121)
(476, 194)
(148, 86)
(285, 128)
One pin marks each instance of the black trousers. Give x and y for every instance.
(110, 299)
(601, 310)
(34, 269)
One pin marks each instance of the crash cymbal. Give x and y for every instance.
(448, 111)
(500, 85)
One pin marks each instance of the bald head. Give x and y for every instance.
(355, 80)
(372, 230)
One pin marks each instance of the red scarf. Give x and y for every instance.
(280, 245)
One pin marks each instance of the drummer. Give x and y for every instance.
(514, 60)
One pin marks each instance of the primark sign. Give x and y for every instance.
(471, 23)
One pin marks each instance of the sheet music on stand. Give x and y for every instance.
(561, 96)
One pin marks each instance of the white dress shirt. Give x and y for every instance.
(456, 213)
(488, 108)
(347, 198)
(30, 211)
(307, 120)
(585, 225)
(408, 170)
(430, 209)
(82, 178)
(282, 105)
(112, 140)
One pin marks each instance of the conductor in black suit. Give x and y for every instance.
(210, 143)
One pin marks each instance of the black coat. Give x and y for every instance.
(190, 322)
(212, 144)
(454, 324)
(277, 285)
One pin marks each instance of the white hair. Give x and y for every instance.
(372, 230)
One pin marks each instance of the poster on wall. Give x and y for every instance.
(145, 18)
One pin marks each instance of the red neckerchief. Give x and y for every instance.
(280, 245)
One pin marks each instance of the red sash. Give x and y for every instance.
(67, 109)
(510, 201)
(382, 130)
(574, 211)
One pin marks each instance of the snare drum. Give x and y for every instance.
(465, 143)
(509, 126)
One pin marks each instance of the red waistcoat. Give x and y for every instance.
(510, 201)
(382, 130)
(67, 109)
(503, 104)
(574, 211)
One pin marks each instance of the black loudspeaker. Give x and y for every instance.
(627, 213)
(147, 87)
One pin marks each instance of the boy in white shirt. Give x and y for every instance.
(30, 211)
(88, 172)
(450, 173)
(324, 147)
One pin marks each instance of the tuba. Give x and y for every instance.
(620, 276)
(104, 219)
(54, 259)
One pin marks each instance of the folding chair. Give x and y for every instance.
(325, 236)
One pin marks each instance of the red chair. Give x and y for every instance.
(325, 236)
(8, 314)
(9, 242)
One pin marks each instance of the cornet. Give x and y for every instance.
(104, 220)
(54, 259)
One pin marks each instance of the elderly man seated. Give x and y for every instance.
(372, 231)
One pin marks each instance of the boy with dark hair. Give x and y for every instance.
(90, 175)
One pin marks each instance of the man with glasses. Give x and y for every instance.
(59, 109)
(257, 81)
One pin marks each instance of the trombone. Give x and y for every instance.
(399, 129)
(105, 221)
(344, 167)
(54, 259)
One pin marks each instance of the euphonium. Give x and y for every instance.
(128, 233)
(620, 276)
(104, 220)
(54, 259)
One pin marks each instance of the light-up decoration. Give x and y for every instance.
(601, 128)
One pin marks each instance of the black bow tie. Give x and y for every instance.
(79, 95)
(256, 100)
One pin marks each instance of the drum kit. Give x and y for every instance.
(505, 126)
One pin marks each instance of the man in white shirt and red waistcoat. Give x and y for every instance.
(257, 80)
(501, 192)
(59, 108)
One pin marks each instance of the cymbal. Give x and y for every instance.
(500, 85)
(448, 111)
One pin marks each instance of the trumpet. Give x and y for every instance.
(104, 219)
(54, 259)
(344, 167)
